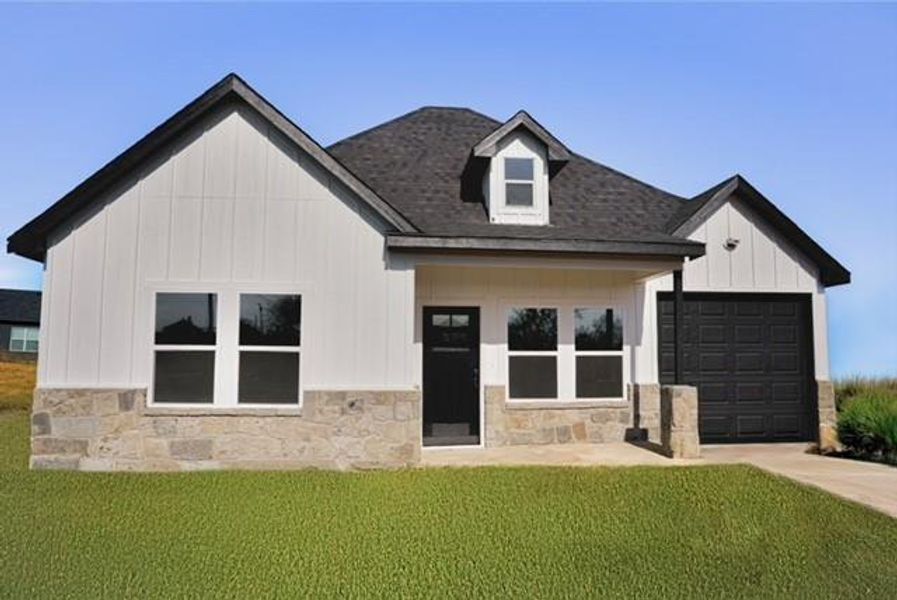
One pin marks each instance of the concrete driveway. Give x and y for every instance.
(867, 483)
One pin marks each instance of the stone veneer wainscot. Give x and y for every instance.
(110, 430)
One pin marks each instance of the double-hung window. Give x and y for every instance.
(185, 348)
(519, 178)
(598, 346)
(23, 339)
(270, 338)
(533, 353)
(227, 349)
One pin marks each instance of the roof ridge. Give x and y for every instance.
(403, 117)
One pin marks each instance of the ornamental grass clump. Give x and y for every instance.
(867, 426)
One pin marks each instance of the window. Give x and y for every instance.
(598, 346)
(23, 339)
(519, 182)
(185, 347)
(270, 338)
(227, 349)
(532, 353)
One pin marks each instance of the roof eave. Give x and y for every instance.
(831, 272)
(29, 241)
(424, 243)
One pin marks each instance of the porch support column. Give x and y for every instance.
(678, 326)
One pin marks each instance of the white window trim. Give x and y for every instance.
(621, 353)
(566, 350)
(227, 344)
(29, 334)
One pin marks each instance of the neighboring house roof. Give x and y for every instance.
(422, 173)
(20, 306)
(696, 211)
(30, 240)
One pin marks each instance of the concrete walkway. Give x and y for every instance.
(870, 484)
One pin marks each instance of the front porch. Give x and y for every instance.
(609, 454)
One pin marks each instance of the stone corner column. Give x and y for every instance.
(679, 421)
(828, 417)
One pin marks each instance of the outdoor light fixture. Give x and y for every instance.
(731, 244)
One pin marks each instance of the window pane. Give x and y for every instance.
(269, 378)
(187, 377)
(599, 376)
(185, 318)
(31, 346)
(519, 194)
(16, 345)
(270, 319)
(533, 376)
(593, 332)
(519, 168)
(533, 329)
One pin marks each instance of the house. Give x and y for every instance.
(229, 293)
(19, 324)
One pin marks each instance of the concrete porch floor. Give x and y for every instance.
(617, 454)
(873, 485)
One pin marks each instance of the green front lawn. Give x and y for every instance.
(712, 532)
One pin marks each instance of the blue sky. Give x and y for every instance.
(800, 99)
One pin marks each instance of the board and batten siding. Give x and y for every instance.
(233, 205)
(497, 289)
(763, 262)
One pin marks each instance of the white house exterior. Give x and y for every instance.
(227, 293)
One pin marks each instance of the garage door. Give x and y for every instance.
(751, 358)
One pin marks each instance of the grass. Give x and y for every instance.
(528, 532)
(857, 385)
(16, 384)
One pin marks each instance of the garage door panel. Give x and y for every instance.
(749, 362)
(786, 392)
(751, 392)
(750, 355)
(751, 425)
(748, 334)
(785, 362)
(783, 334)
(718, 426)
(786, 425)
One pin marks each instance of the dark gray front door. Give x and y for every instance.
(751, 358)
(451, 376)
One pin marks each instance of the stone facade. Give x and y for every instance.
(515, 424)
(679, 421)
(828, 417)
(110, 430)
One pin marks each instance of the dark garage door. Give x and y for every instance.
(751, 358)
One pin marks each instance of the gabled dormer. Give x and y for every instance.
(522, 156)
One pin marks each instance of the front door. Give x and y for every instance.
(451, 376)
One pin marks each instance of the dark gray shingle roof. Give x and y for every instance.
(19, 306)
(421, 164)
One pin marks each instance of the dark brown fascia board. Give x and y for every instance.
(488, 146)
(30, 240)
(831, 272)
(424, 243)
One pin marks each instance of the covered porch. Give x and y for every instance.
(545, 352)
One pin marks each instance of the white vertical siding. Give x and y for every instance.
(495, 290)
(232, 204)
(762, 262)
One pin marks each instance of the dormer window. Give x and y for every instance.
(519, 181)
(517, 158)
